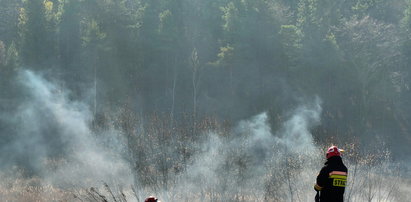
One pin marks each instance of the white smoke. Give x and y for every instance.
(55, 141)
(254, 161)
(251, 163)
(296, 133)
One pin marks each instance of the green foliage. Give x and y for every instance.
(2, 54)
(406, 20)
(291, 38)
(363, 5)
(37, 32)
(8, 67)
(226, 53)
(164, 19)
(230, 12)
(92, 33)
(9, 12)
(307, 13)
(254, 55)
(12, 56)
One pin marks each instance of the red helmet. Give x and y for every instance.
(151, 199)
(333, 151)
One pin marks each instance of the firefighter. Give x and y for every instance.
(151, 199)
(332, 178)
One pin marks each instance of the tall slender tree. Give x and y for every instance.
(37, 34)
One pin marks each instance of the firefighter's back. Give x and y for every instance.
(334, 186)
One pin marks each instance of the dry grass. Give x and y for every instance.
(162, 152)
(36, 190)
(31, 190)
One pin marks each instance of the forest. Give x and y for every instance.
(196, 100)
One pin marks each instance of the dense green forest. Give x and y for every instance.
(225, 59)
(179, 67)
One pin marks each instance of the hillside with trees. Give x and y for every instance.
(163, 74)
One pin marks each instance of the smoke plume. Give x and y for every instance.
(254, 161)
(53, 139)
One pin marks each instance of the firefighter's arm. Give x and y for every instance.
(321, 180)
(317, 187)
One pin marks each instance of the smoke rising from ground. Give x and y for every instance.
(54, 141)
(248, 162)
(254, 163)
(176, 85)
(53, 138)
